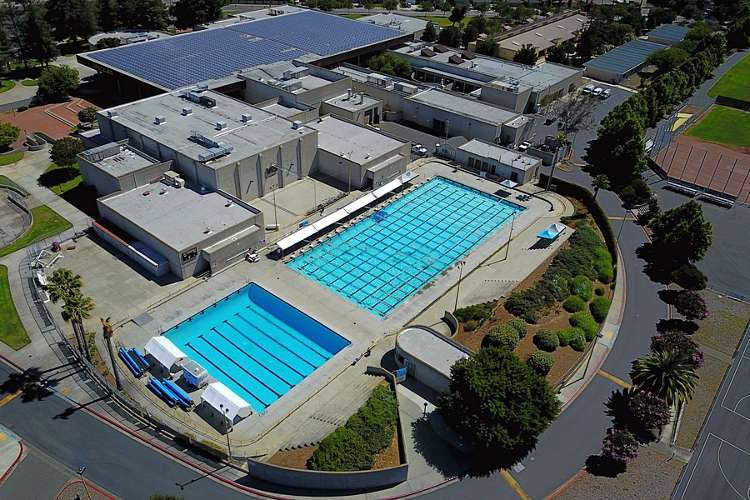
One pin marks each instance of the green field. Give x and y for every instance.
(724, 125)
(30, 82)
(735, 83)
(61, 178)
(6, 85)
(46, 223)
(12, 331)
(443, 21)
(11, 158)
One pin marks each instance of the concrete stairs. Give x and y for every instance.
(342, 402)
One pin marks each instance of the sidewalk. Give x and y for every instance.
(11, 452)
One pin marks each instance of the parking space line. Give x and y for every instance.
(514, 485)
(615, 379)
(10, 397)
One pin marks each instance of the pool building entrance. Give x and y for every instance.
(383, 260)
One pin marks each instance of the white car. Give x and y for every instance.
(605, 94)
(418, 149)
(597, 91)
(587, 89)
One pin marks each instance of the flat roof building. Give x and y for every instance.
(215, 141)
(543, 37)
(193, 232)
(115, 166)
(668, 34)
(621, 62)
(408, 24)
(358, 156)
(428, 356)
(498, 161)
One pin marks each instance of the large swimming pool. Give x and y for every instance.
(381, 261)
(256, 344)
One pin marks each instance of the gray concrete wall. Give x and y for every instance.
(100, 180)
(422, 371)
(387, 173)
(392, 101)
(337, 167)
(151, 267)
(497, 168)
(602, 75)
(423, 115)
(508, 100)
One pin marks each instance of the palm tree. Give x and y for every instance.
(601, 181)
(107, 334)
(62, 286)
(666, 374)
(79, 308)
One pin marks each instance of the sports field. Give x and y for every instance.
(735, 83)
(724, 125)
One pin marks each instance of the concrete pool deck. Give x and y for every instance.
(337, 383)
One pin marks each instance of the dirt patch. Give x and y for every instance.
(389, 457)
(295, 459)
(651, 475)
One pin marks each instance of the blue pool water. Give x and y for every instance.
(381, 261)
(256, 344)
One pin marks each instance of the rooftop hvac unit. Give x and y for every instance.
(406, 88)
(221, 149)
(187, 111)
(112, 113)
(201, 139)
(246, 118)
(296, 125)
(297, 72)
(208, 102)
(221, 125)
(159, 119)
(101, 152)
(378, 79)
(192, 95)
(291, 85)
(275, 12)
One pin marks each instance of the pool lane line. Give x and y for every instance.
(240, 385)
(247, 354)
(325, 356)
(222, 353)
(265, 350)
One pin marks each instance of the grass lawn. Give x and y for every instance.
(12, 331)
(443, 21)
(30, 82)
(11, 158)
(46, 223)
(724, 125)
(735, 83)
(4, 181)
(61, 178)
(6, 85)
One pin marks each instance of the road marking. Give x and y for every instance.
(612, 378)
(2, 436)
(514, 485)
(65, 391)
(10, 397)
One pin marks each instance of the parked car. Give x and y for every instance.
(606, 93)
(587, 89)
(597, 91)
(418, 149)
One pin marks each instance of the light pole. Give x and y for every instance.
(460, 265)
(510, 236)
(228, 430)
(622, 225)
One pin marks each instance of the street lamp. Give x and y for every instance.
(510, 236)
(460, 265)
(228, 430)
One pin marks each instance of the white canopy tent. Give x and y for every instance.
(164, 351)
(223, 400)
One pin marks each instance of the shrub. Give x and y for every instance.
(647, 410)
(676, 325)
(687, 303)
(503, 337)
(689, 277)
(476, 312)
(527, 304)
(87, 115)
(541, 362)
(578, 343)
(586, 323)
(599, 291)
(603, 265)
(582, 287)
(599, 308)
(57, 82)
(353, 446)
(574, 303)
(519, 326)
(567, 335)
(678, 342)
(546, 340)
(8, 134)
(619, 446)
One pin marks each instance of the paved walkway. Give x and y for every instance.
(11, 448)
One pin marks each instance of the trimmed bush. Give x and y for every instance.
(574, 303)
(586, 323)
(546, 340)
(599, 308)
(370, 430)
(582, 287)
(476, 312)
(541, 362)
(503, 337)
(578, 343)
(519, 326)
(599, 291)
(567, 335)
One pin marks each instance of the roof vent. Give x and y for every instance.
(112, 113)
(246, 117)
(221, 125)
(296, 125)
(159, 119)
(187, 111)
(228, 204)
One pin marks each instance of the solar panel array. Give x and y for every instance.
(626, 57)
(216, 53)
(670, 32)
(320, 33)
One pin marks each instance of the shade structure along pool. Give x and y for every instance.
(256, 344)
(383, 260)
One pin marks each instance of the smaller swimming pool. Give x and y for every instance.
(256, 344)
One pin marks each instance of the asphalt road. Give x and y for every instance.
(720, 465)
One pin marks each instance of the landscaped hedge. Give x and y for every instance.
(546, 340)
(474, 315)
(599, 308)
(582, 287)
(586, 323)
(354, 446)
(566, 336)
(503, 337)
(574, 303)
(519, 326)
(541, 362)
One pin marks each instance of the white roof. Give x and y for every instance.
(164, 351)
(223, 400)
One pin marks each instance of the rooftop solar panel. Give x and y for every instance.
(626, 57)
(185, 60)
(323, 34)
(670, 32)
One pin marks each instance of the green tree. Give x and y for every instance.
(526, 55)
(689, 277)
(107, 19)
(666, 374)
(78, 308)
(560, 53)
(500, 404)
(600, 181)
(64, 286)
(71, 19)
(390, 5)
(430, 32)
(457, 15)
(144, 14)
(390, 64)
(108, 42)
(619, 446)
(450, 36)
(191, 13)
(57, 82)
(87, 115)
(683, 233)
(426, 7)
(667, 59)
(369, 4)
(64, 151)
(8, 134)
(37, 41)
(688, 303)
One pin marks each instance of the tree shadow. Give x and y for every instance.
(596, 465)
(58, 176)
(676, 325)
(29, 383)
(435, 451)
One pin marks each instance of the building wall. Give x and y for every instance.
(603, 75)
(382, 175)
(424, 115)
(391, 101)
(358, 116)
(493, 166)
(339, 168)
(105, 183)
(510, 135)
(508, 100)
(422, 371)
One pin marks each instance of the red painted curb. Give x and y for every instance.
(12, 467)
